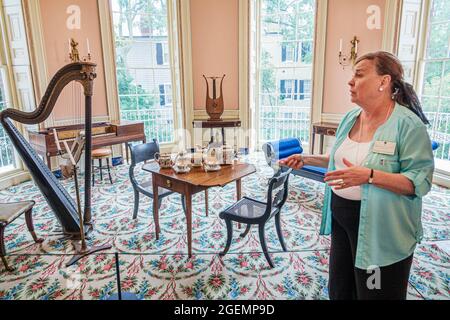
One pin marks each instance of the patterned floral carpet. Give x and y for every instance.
(160, 269)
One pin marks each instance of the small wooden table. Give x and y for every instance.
(323, 129)
(195, 181)
(222, 124)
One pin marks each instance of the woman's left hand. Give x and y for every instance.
(351, 177)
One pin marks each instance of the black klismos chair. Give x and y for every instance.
(141, 153)
(250, 212)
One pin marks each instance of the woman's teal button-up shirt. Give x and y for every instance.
(390, 224)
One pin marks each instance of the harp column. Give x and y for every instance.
(88, 83)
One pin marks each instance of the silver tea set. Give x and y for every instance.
(210, 158)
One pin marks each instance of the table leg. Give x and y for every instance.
(238, 189)
(49, 162)
(321, 144)
(188, 196)
(155, 207)
(126, 152)
(223, 136)
(313, 138)
(206, 202)
(239, 193)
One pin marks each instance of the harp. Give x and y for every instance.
(56, 196)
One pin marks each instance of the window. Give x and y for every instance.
(7, 158)
(305, 89)
(146, 75)
(286, 89)
(162, 54)
(165, 95)
(281, 50)
(430, 68)
(16, 87)
(289, 52)
(295, 89)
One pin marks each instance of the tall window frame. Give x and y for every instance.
(16, 83)
(258, 97)
(170, 54)
(417, 31)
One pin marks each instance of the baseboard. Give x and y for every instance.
(14, 179)
(442, 180)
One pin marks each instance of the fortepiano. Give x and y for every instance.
(103, 134)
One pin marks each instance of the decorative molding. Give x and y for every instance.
(201, 114)
(108, 50)
(173, 19)
(14, 178)
(390, 27)
(331, 117)
(244, 36)
(36, 45)
(187, 81)
(421, 45)
(441, 178)
(319, 61)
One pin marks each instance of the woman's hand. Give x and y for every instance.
(351, 177)
(295, 161)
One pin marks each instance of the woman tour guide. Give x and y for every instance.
(379, 168)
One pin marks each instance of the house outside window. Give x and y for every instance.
(162, 54)
(295, 89)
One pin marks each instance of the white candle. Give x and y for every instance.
(69, 47)
(356, 46)
(88, 47)
(340, 45)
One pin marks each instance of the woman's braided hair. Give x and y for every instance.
(402, 92)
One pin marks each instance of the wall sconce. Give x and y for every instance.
(345, 60)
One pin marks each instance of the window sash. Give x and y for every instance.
(160, 101)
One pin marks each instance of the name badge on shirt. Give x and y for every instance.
(384, 147)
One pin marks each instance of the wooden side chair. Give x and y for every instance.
(250, 212)
(8, 213)
(142, 153)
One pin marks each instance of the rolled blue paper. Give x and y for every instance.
(285, 147)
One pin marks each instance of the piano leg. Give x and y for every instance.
(49, 162)
(126, 152)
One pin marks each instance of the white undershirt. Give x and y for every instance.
(356, 153)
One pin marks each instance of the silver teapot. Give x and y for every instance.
(182, 163)
(211, 162)
(227, 155)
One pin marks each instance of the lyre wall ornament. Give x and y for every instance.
(214, 105)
